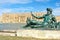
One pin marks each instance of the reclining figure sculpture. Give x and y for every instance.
(49, 20)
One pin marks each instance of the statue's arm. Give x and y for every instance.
(38, 17)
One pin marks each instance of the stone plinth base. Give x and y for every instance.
(43, 34)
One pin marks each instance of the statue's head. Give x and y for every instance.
(49, 11)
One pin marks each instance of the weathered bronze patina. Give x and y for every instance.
(48, 22)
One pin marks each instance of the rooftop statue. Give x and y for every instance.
(49, 21)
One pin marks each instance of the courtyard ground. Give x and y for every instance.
(21, 38)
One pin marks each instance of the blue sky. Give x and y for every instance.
(29, 5)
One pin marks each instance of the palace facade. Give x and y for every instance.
(20, 17)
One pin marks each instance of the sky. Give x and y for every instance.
(29, 5)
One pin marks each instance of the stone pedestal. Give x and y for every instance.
(43, 34)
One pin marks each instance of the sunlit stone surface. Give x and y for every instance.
(43, 34)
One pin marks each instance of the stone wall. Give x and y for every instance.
(8, 33)
(21, 17)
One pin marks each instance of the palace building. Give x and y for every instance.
(21, 17)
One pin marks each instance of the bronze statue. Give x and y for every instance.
(49, 20)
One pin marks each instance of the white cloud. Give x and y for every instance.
(21, 1)
(4, 10)
(56, 11)
(58, 4)
(42, 0)
(16, 1)
(27, 9)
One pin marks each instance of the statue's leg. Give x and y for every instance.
(45, 24)
(54, 25)
(30, 22)
(27, 22)
(58, 25)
